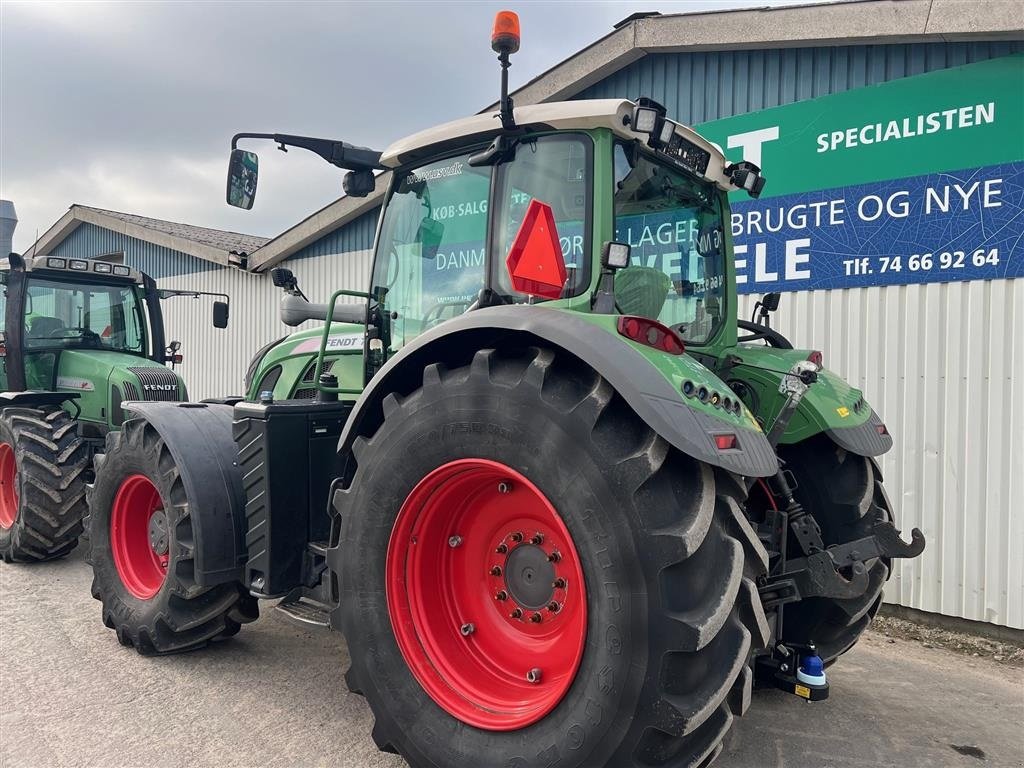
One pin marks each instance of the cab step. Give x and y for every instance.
(305, 612)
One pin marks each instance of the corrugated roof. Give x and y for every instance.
(216, 238)
(213, 245)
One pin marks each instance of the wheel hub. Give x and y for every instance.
(486, 595)
(530, 576)
(158, 532)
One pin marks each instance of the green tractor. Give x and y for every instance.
(79, 338)
(563, 506)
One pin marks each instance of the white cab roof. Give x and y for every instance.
(563, 115)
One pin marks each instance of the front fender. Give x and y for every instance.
(199, 438)
(831, 405)
(647, 380)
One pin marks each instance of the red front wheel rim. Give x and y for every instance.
(139, 537)
(8, 486)
(486, 595)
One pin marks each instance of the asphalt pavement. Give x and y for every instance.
(274, 696)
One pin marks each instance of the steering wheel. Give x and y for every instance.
(87, 334)
(761, 333)
(433, 316)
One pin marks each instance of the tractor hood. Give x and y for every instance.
(104, 380)
(287, 367)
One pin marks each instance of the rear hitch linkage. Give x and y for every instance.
(836, 572)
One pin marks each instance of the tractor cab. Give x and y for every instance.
(88, 329)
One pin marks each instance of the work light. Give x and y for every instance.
(615, 255)
(56, 263)
(644, 119)
(668, 129)
(746, 175)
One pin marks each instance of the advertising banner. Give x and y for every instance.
(916, 180)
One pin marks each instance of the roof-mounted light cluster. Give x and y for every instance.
(663, 135)
(88, 265)
(746, 175)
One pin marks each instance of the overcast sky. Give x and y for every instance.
(131, 106)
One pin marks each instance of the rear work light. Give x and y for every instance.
(643, 330)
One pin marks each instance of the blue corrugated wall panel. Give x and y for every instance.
(88, 241)
(357, 235)
(709, 85)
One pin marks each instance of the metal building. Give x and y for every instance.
(939, 353)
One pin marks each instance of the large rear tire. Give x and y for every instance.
(646, 659)
(141, 549)
(844, 493)
(43, 467)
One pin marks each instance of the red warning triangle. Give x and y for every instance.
(535, 262)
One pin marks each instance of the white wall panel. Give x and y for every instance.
(943, 364)
(215, 359)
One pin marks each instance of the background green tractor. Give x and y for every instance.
(546, 487)
(79, 338)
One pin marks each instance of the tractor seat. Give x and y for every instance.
(641, 291)
(41, 327)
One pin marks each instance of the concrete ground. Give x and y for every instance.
(274, 696)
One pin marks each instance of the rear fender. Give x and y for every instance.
(641, 384)
(199, 438)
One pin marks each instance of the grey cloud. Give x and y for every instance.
(131, 106)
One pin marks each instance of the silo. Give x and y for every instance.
(8, 221)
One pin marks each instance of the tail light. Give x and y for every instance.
(816, 358)
(643, 330)
(726, 442)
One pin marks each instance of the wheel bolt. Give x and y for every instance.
(454, 541)
(504, 487)
(558, 584)
(502, 549)
(536, 618)
(501, 596)
(496, 570)
(516, 613)
(534, 675)
(538, 539)
(516, 537)
(554, 607)
(555, 556)
(467, 630)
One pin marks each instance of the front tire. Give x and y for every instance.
(43, 467)
(843, 491)
(141, 538)
(670, 614)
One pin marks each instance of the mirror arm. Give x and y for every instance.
(339, 153)
(167, 293)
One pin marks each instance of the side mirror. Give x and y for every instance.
(770, 301)
(243, 172)
(220, 314)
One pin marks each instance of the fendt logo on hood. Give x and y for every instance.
(160, 387)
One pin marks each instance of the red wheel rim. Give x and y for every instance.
(138, 537)
(486, 595)
(8, 486)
